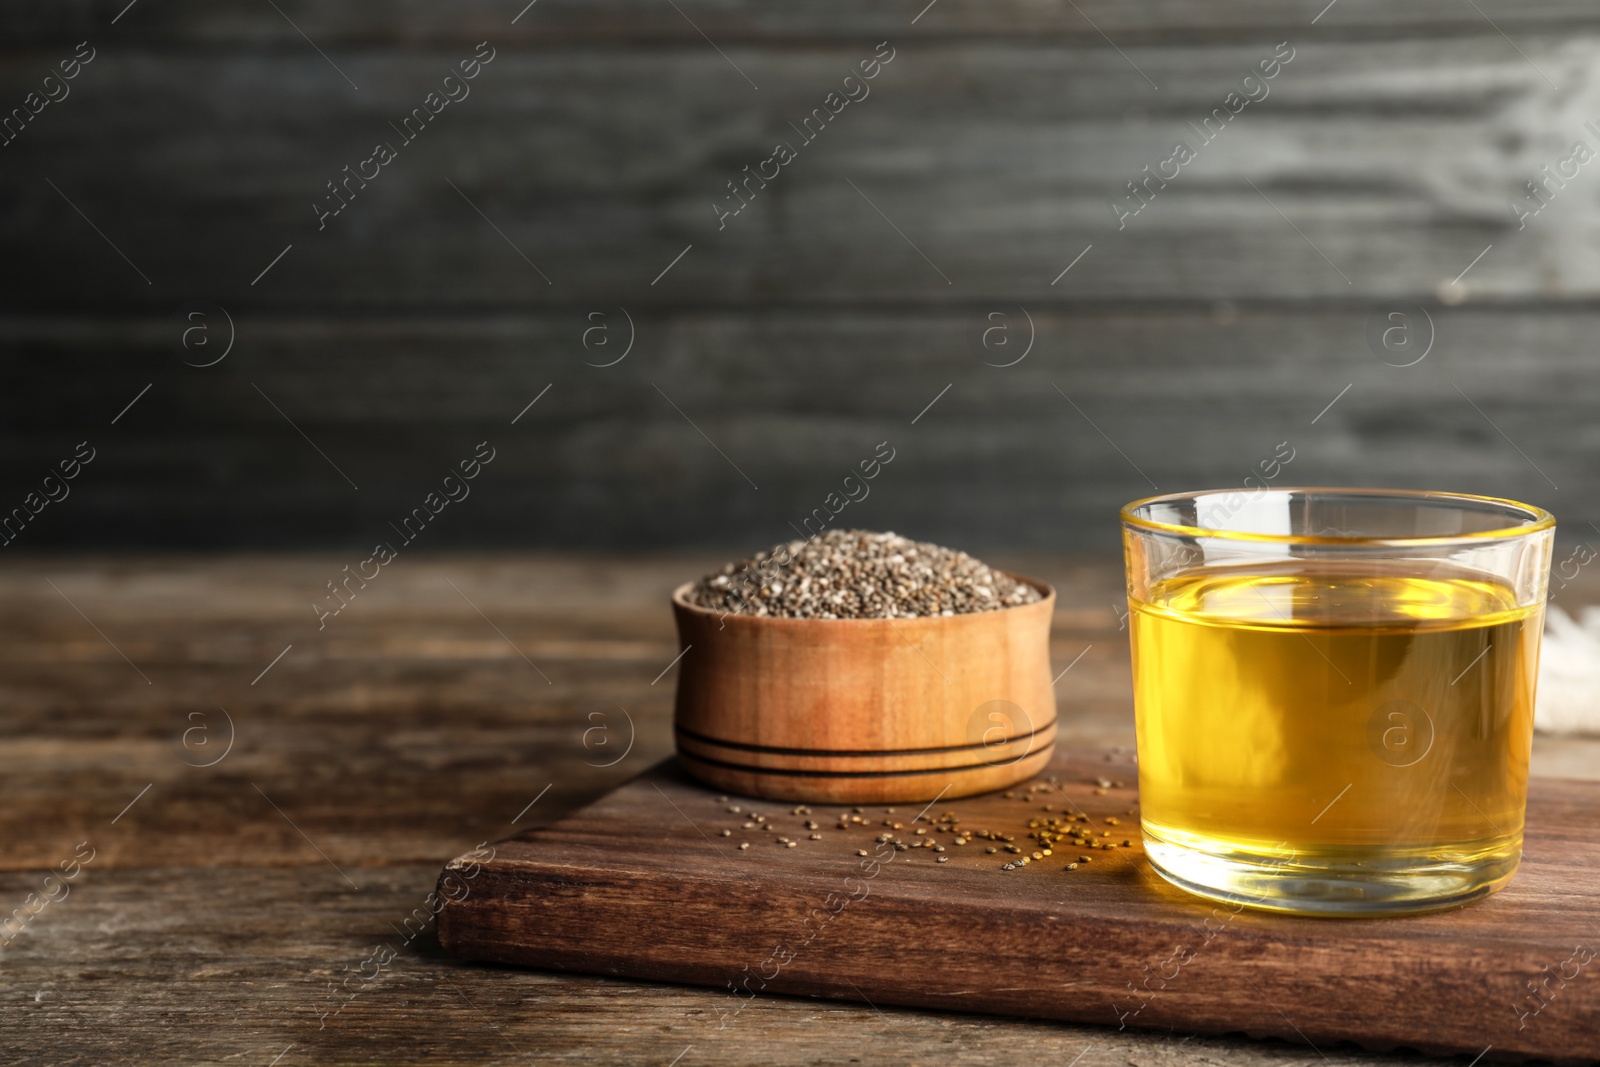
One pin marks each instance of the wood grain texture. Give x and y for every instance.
(897, 927)
(594, 146)
(206, 929)
(1008, 457)
(864, 710)
(235, 965)
(1000, 161)
(562, 22)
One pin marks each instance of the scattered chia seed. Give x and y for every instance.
(857, 574)
(1051, 832)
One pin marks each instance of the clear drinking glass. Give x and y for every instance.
(1334, 691)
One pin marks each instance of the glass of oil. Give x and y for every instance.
(1334, 692)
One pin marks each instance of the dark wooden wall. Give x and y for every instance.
(1178, 352)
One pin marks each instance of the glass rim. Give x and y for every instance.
(1538, 518)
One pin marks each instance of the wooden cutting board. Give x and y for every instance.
(644, 884)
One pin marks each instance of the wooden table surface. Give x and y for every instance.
(227, 911)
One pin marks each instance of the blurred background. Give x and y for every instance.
(1351, 270)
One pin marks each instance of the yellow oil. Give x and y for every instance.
(1342, 718)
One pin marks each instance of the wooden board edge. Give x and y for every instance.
(578, 910)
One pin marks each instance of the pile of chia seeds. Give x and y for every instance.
(858, 574)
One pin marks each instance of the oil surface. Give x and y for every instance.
(1335, 713)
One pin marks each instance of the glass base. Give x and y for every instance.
(1333, 885)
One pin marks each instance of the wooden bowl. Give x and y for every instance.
(865, 710)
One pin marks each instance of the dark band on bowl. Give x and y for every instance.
(788, 773)
(774, 750)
